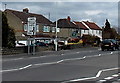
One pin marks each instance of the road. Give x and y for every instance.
(85, 64)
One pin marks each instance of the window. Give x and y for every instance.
(37, 28)
(53, 29)
(84, 31)
(25, 27)
(58, 29)
(46, 29)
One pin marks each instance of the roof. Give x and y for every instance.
(23, 16)
(64, 23)
(81, 25)
(92, 25)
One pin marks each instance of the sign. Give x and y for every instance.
(31, 28)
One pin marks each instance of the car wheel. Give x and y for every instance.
(113, 49)
(102, 49)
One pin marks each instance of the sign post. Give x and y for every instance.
(31, 31)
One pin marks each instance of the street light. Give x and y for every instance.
(56, 38)
(56, 31)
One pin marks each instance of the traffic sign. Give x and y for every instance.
(31, 28)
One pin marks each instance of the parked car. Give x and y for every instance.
(20, 45)
(109, 44)
(40, 44)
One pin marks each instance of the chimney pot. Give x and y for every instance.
(26, 10)
(68, 18)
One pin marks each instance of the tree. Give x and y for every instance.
(108, 32)
(8, 35)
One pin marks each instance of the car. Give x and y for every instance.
(40, 44)
(109, 44)
(20, 45)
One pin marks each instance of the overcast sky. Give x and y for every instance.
(78, 11)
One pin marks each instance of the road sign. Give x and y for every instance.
(32, 28)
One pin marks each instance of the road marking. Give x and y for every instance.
(62, 54)
(77, 52)
(111, 53)
(42, 64)
(25, 67)
(98, 75)
(13, 59)
(108, 78)
(17, 68)
(99, 54)
(99, 49)
(101, 81)
(116, 75)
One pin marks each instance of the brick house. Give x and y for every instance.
(66, 28)
(83, 30)
(18, 21)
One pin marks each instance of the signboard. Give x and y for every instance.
(31, 28)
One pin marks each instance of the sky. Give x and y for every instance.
(96, 12)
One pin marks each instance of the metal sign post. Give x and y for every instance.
(56, 43)
(31, 31)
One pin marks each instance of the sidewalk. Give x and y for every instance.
(48, 53)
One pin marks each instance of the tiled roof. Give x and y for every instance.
(92, 25)
(81, 25)
(64, 23)
(23, 16)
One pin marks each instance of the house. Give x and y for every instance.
(18, 21)
(66, 28)
(94, 29)
(83, 30)
(89, 28)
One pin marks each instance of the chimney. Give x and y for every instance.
(26, 10)
(68, 18)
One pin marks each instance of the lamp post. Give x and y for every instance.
(56, 38)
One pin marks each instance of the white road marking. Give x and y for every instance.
(13, 59)
(62, 54)
(108, 78)
(98, 75)
(25, 67)
(17, 68)
(99, 49)
(111, 53)
(116, 75)
(77, 52)
(101, 81)
(99, 54)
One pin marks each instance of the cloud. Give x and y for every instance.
(93, 11)
(60, 0)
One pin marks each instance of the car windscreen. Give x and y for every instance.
(106, 41)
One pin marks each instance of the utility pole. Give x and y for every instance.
(56, 43)
(56, 38)
(49, 15)
(5, 6)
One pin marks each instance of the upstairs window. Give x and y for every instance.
(46, 29)
(37, 28)
(25, 27)
(53, 29)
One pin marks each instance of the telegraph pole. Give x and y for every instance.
(5, 6)
(49, 15)
(56, 43)
(56, 38)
